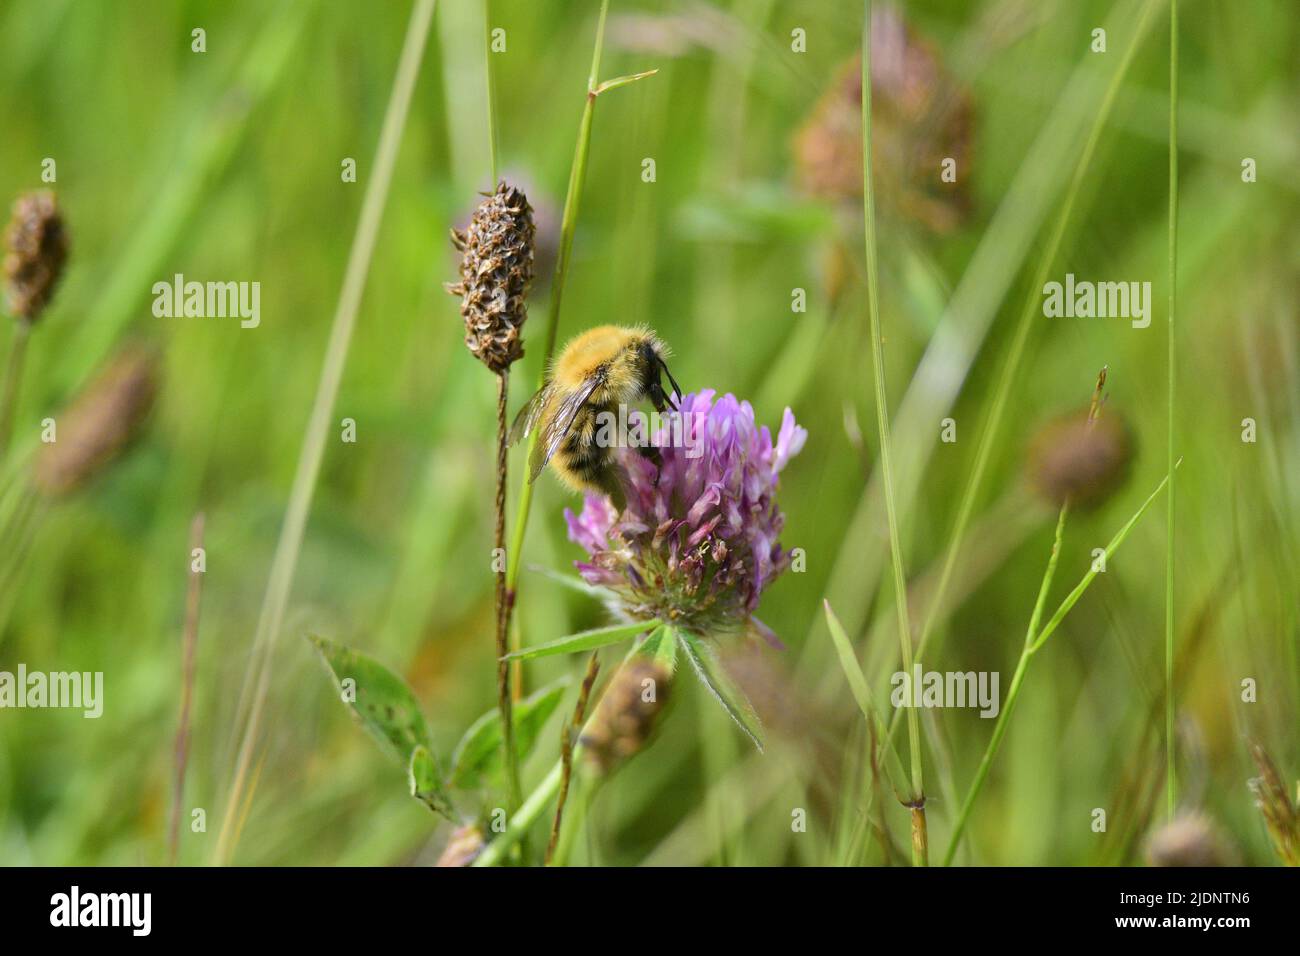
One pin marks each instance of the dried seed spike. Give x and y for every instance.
(100, 423)
(36, 248)
(496, 271)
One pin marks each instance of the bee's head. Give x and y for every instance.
(653, 368)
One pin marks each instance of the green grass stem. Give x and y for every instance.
(919, 853)
(1171, 789)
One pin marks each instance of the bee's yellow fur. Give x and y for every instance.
(613, 366)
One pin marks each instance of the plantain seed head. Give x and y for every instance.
(99, 424)
(36, 248)
(496, 270)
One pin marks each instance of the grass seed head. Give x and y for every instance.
(100, 423)
(920, 117)
(1281, 815)
(496, 270)
(1085, 461)
(36, 248)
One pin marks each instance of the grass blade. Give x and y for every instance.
(886, 455)
(478, 754)
(1073, 597)
(731, 697)
(862, 694)
(284, 565)
(1170, 783)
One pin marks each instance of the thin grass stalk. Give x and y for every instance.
(566, 751)
(285, 562)
(505, 694)
(527, 814)
(1171, 790)
(23, 514)
(189, 640)
(568, 225)
(12, 381)
(1011, 367)
(1013, 693)
(534, 805)
(1034, 645)
(919, 842)
(491, 91)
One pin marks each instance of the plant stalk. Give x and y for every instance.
(12, 380)
(504, 699)
(491, 91)
(1171, 791)
(919, 839)
(567, 743)
(1011, 366)
(568, 226)
(284, 564)
(527, 814)
(189, 640)
(1013, 692)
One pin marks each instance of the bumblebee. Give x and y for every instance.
(597, 371)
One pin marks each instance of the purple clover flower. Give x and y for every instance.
(697, 542)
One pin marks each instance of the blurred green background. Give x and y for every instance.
(225, 165)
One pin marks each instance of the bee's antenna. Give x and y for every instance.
(677, 392)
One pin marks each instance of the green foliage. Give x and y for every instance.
(232, 173)
(894, 768)
(724, 690)
(582, 641)
(380, 700)
(426, 783)
(659, 646)
(477, 761)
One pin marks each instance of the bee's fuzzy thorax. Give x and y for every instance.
(612, 350)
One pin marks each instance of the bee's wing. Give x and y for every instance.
(558, 424)
(527, 418)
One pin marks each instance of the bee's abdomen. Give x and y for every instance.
(587, 464)
(581, 459)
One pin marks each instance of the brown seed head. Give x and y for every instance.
(1188, 840)
(496, 269)
(99, 424)
(920, 116)
(626, 714)
(1084, 461)
(36, 247)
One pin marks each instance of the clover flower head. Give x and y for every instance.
(697, 541)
